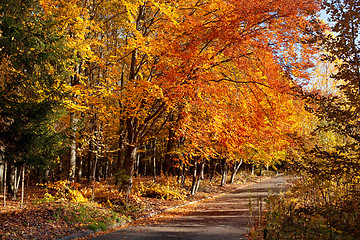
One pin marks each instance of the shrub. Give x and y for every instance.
(312, 209)
(63, 190)
(164, 188)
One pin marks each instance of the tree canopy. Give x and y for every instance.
(196, 80)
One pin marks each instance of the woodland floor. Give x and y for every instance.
(228, 216)
(40, 220)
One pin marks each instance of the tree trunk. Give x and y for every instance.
(98, 167)
(95, 168)
(74, 80)
(90, 160)
(1, 175)
(183, 176)
(145, 162)
(213, 165)
(137, 163)
(106, 167)
(80, 166)
(17, 178)
(47, 174)
(5, 180)
(59, 172)
(120, 151)
(130, 155)
(15, 183)
(131, 129)
(94, 179)
(223, 171)
(129, 164)
(119, 162)
(10, 179)
(153, 165)
(180, 172)
(200, 175)
(22, 186)
(236, 168)
(194, 178)
(202, 167)
(169, 147)
(72, 158)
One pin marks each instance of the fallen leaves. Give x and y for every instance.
(56, 219)
(35, 222)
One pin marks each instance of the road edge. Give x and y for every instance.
(119, 226)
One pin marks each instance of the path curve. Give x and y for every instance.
(225, 217)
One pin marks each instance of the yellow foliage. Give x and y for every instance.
(64, 190)
(165, 189)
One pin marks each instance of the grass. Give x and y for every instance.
(90, 215)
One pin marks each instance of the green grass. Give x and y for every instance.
(93, 216)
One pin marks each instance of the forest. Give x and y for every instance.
(95, 91)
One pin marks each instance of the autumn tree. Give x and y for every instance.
(183, 56)
(327, 156)
(192, 79)
(338, 111)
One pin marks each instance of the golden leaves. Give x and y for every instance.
(219, 65)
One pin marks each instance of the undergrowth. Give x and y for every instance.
(163, 188)
(111, 206)
(312, 209)
(72, 204)
(92, 216)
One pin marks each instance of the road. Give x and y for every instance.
(225, 217)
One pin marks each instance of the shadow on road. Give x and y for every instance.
(226, 217)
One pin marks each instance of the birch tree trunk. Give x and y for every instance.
(72, 157)
(74, 80)
(153, 158)
(5, 180)
(22, 186)
(236, 168)
(200, 175)
(17, 178)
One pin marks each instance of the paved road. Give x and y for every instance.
(226, 217)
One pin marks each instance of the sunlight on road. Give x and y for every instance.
(226, 217)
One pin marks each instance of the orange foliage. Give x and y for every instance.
(223, 67)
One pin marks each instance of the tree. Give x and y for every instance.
(203, 78)
(31, 85)
(327, 156)
(338, 111)
(178, 54)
